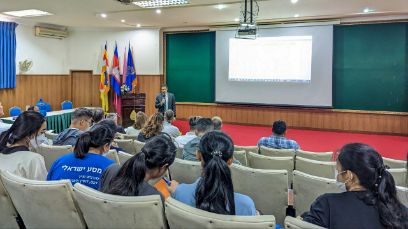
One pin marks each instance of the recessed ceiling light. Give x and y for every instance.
(160, 3)
(28, 13)
(138, 25)
(158, 11)
(296, 15)
(220, 6)
(293, 1)
(104, 15)
(368, 10)
(236, 19)
(123, 21)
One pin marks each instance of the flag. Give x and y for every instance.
(124, 67)
(115, 81)
(104, 84)
(130, 71)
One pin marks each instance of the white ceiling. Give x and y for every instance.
(84, 13)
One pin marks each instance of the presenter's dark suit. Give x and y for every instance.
(171, 103)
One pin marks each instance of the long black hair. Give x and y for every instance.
(369, 167)
(97, 136)
(27, 124)
(157, 152)
(215, 192)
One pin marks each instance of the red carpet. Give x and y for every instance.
(317, 141)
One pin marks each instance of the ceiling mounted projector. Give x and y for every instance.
(247, 28)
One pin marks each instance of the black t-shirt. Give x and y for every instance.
(145, 188)
(343, 210)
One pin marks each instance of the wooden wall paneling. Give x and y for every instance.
(82, 88)
(149, 84)
(323, 119)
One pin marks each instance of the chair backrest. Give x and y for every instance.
(52, 153)
(400, 177)
(267, 188)
(295, 223)
(306, 188)
(138, 146)
(326, 156)
(241, 157)
(402, 193)
(127, 145)
(66, 105)
(316, 168)
(15, 111)
(43, 204)
(128, 136)
(271, 152)
(8, 212)
(253, 149)
(179, 153)
(102, 210)
(181, 216)
(123, 157)
(50, 135)
(258, 161)
(113, 155)
(185, 171)
(395, 164)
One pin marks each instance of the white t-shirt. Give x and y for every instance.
(132, 131)
(182, 140)
(25, 164)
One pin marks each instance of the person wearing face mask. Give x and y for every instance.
(86, 164)
(370, 198)
(3, 126)
(81, 120)
(15, 155)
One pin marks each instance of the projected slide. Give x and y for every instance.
(271, 59)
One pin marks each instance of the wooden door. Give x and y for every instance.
(85, 89)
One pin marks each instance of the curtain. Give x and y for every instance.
(7, 54)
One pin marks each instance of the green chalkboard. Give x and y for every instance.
(370, 70)
(370, 66)
(190, 66)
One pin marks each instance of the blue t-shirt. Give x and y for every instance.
(86, 171)
(244, 205)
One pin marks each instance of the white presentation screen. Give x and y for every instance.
(271, 59)
(289, 66)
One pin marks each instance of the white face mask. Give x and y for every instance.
(340, 185)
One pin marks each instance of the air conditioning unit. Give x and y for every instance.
(51, 32)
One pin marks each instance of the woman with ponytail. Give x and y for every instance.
(151, 163)
(370, 199)
(213, 191)
(86, 164)
(15, 155)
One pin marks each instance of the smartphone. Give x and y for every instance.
(167, 181)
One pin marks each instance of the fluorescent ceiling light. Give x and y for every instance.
(160, 3)
(220, 6)
(368, 10)
(28, 13)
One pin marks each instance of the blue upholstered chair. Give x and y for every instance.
(15, 111)
(66, 105)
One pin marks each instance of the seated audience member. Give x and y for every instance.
(182, 140)
(278, 139)
(214, 191)
(81, 120)
(15, 155)
(217, 121)
(34, 108)
(203, 126)
(112, 126)
(370, 198)
(168, 128)
(97, 115)
(140, 122)
(114, 117)
(153, 127)
(131, 179)
(86, 164)
(3, 126)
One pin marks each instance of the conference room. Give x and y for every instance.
(204, 114)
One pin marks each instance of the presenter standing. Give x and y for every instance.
(165, 101)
